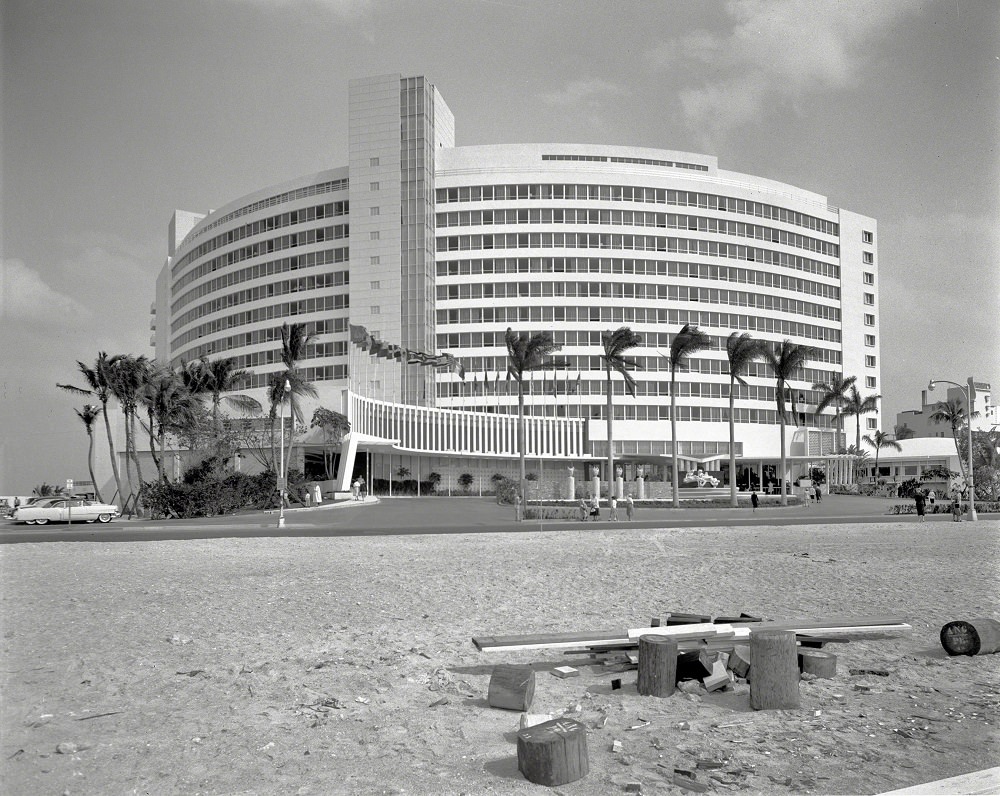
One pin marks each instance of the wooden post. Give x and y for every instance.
(657, 666)
(974, 637)
(817, 662)
(511, 687)
(774, 672)
(553, 753)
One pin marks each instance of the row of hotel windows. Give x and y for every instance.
(582, 362)
(300, 216)
(337, 348)
(288, 196)
(676, 164)
(607, 265)
(713, 273)
(630, 193)
(258, 337)
(296, 262)
(268, 313)
(633, 218)
(704, 295)
(269, 268)
(632, 315)
(323, 373)
(260, 292)
(658, 243)
(304, 238)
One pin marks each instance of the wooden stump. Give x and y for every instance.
(974, 637)
(774, 674)
(739, 661)
(553, 753)
(657, 666)
(817, 662)
(511, 687)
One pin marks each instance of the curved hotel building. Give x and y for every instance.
(420, 253)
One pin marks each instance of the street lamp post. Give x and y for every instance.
(282, 475)
(970, 396)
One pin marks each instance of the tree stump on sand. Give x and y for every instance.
(817, 662)
(774, 671)
(511, 687)
(974, 637)
(553, 753)
(657, 666)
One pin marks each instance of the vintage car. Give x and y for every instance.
(65, 510)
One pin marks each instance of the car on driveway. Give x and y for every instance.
(65, 510)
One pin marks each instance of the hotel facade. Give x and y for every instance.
(426, 249)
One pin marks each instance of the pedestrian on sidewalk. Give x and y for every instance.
(819, 493)
(614, 508)
(754, 500)
(629, 507)
(920, 500)
(956, 510)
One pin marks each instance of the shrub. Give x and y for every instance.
(465, 481)
(204, 494)
(506, 490)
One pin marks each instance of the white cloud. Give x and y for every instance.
(26, 297)
(583, 93)
(774, 50)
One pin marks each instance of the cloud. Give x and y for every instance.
(583, 93)
(776, 50)
(26, 297)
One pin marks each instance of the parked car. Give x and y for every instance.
(65, 510)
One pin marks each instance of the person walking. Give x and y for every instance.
(583, 509)
(595, 507)
(754, 500)
(362, 487)
(356, 489)
(956, 510)
(629, 507)
(921, 500)
(614, 509)
(518, 515)
(930, 499)
(819, 492)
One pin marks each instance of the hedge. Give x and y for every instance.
(982, 506)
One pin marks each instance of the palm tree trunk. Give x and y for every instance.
(611, 439)
(675, 477)
(111, 449)
(732, 444)
(291, 436)
(781, 475)
(90, 465)
(520, 439)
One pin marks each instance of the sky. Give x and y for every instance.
(114, 113)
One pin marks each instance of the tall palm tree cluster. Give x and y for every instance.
(526, 352)
(183, 404)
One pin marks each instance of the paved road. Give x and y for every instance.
(395, 516)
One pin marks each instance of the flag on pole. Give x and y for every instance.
(576, 387)
(555, 384)
(496, 383)
(360, 337)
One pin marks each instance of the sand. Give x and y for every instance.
(344, 665)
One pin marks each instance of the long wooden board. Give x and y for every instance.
(976, 782)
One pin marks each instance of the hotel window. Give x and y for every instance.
(373, 186)
(374, 285)
(869, 278)
(867, 257)
(867, 237)
(871, 382)
(374, 260)
(870, 340)
(375, 236)
(869, 320)
(373, 211)
(376, 310)
(869, 297)
(869, 361)
(372, 162)
(872, 422)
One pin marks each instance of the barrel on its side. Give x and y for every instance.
(971, 637)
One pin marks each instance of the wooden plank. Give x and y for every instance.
(975, 782)
(538, 640)
(704, 630)
(822, 623)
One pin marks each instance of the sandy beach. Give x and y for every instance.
(345, 665)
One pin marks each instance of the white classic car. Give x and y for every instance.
(65, 510)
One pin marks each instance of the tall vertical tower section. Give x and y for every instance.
(396, 124)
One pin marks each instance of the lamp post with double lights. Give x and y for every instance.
(282, 475)
(970, 397)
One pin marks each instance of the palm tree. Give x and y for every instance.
(170, 408)
(127, 376)
(834, 393)
(97, 380)
(689, 340)
(741, 350)
(786, 359)
(88, 415)
(953, 413)
(334, 426)
(527, 352)
(616, 343)
(295, 339)
(855, 404)
(217, 376)
(880, 440)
